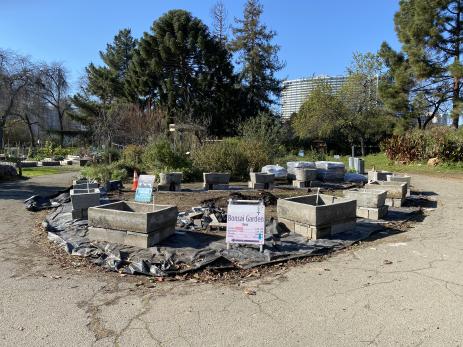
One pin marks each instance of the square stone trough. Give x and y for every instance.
(132, 223)
(374, 175)
(370, 202)
(82, 200)
(84, 184)
(261, 180)
(304, 216)
(171, 181)
(396, 192)
(216, 180)
(401, 178)
(304, 176)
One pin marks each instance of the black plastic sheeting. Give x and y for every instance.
(186, 251)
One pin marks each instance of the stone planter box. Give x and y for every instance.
(50, 163)
(401, 178)
(82, 200)
(370, 202)
(395, 191)
(29, 163)
(378, 175)
(132, 223)
(84, 184)
(261, 180)
(215, 180)
(66, 162)
(170, 181)
(367, 197)
(304, 216)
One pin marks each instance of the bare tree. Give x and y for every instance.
(53, 82)
(15, 76)
(220, 26)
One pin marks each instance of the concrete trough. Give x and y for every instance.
(370, 202)
(132, 223)
(396, 192)
(49, 163)
(216, 180)
(303, 215)
(260, 180)
(401, 178)
(29, 163)
(170, 181)
(82, 200)
(374, 175)
(84, 184)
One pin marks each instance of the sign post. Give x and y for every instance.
(144, 192)
(246, 222)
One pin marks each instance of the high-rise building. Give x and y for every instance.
(295, 92)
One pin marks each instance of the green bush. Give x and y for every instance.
(132, 155)
(104, 173)
(160, 155)
(223, 156)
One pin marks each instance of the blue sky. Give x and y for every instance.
(316, 36)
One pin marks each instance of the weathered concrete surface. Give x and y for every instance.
(133, 216)
(355, 298)
(82, 199)
(378, 175)
(260, 177)
(395, 190)
(305, 174)
(367, 197)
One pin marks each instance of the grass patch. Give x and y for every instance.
(46, 170)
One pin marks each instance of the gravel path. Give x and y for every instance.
(405, 289)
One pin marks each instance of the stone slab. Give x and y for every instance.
(394, 202)
(260, 177)
(396, 190)
(216, 178)
(378, 175)
(50, 163)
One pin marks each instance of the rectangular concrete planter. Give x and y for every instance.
(302, 215)
(50, 163)
(396, 192)
(84, 184)
(378, 175)
(260, 177)
(85, 198)
(29, 163)
(131, 223)
(367, 197)
(216, 181)
(170, 181)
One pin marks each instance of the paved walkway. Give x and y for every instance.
(403, 290)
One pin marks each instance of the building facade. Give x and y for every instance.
(295, 92)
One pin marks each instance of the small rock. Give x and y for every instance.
(250, 291)
(433, 162)
(387, 262)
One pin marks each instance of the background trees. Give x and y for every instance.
(428, 71)
(258, 59)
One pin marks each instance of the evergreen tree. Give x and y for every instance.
(220, 26)
(180, 67)
(402, 93)
(431, 34)
(258, 58)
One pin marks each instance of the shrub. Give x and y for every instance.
(441, 142)
(104, 173)
(160, 155)
(132, 155)
(222, 156)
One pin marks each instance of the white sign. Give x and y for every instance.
(246, 222)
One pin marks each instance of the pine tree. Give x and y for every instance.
(431, 34)
(258, 58)
(219, 22)
(180, 67)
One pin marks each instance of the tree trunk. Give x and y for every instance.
(31, 133)
(362, 146)
(61, 129)
(456, 80)
(2, 126)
